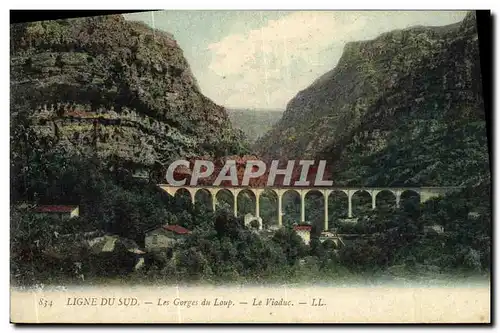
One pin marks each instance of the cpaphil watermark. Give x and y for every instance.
(253, 169)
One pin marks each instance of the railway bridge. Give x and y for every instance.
(425, 193)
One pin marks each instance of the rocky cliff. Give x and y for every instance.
(404, 108)
(116, 88)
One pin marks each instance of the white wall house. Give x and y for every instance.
(164, 237)
(304, 231)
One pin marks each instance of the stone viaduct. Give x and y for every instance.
(425, 193)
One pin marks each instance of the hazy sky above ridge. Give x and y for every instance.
(262, 59)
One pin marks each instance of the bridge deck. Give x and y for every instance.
(334, 188)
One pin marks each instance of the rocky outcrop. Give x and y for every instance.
(116, 88)
(78, 245)
(404, 108)
(80, 253)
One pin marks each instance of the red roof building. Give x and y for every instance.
(182, 172)
(55, 209)
(61, 211)
(165, 236)
(302, 228)
(304, 231)
(176, 229)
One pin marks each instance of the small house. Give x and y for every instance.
(349, 220)
(62, 212)
(434, 228)
(333, 236)
(253, 222)
(141, 174)
(304, 231)
(165, 236)
(473, 215)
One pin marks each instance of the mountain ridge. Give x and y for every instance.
(253, 122)
(116, 88)
(364, 115)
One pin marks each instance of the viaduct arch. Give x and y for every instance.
(425, 194)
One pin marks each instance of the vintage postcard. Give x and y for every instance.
(249, 167)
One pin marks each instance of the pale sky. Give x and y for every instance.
(262, 59)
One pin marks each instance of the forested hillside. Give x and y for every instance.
(106, 86)
(93, 100)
